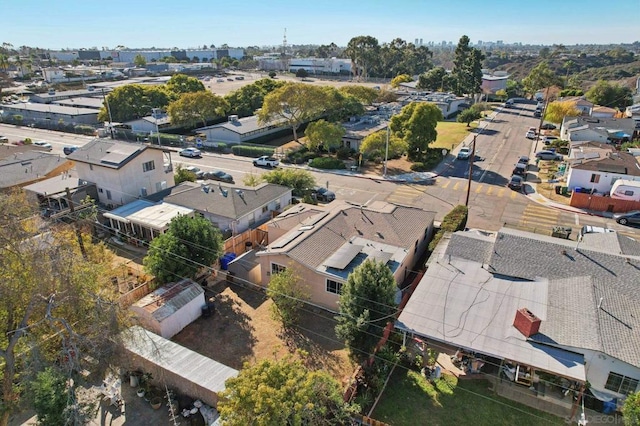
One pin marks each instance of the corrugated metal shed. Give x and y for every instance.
(178, 360)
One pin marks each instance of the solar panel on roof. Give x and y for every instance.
(282, 242)
(343, 256)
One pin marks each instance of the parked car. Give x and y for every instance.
(195, 170)
(266, 161)
(464, 153)
(3, 139)
(520, 169)
(229, 79)
(239, 77)
(220, 80)
(549, 155)
(515, 182)
(44, 145)
(69, 149)
(530, 135)
(323, 194)
(548, 126)
(509, 103)
(190, 152)
(219, 175)
(548, 139)
(537, 113)
(629, 218)
(523, 160)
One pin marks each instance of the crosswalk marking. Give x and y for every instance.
(490, 190)
(513, 194)
(446, 184)
(501, 192)
(478, 189)
(455, 187)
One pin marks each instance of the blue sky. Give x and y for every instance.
(193, 23)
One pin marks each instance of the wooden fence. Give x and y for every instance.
(601, 203)
(246, 241)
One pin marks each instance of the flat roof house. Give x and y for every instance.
(51, 113)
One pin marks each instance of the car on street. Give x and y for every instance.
(515, 182)
(220, 80)
(323, 194)
(530, 134)
(629, 218)
(190, 152)
(69, 149)
(549, 155)
(548, 126)
(265, 161)
(239, 77)
(229, 79)
(520, 169)
(219, 175)
(464, 153)
(195, 170)
(523, 160)
(537, 113)
(3, 139)
(44, 145)
(546, 140)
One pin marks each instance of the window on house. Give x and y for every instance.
(108, 194)
(278, 205)
(100, 190)
(334, 287)
(628, 193)
(595, 178)
(148, 166)
(276, 269)
(621, 384)
(265, 209)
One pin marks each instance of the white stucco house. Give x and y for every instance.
(597, 129)
(123, 172)
(238, 130)
(596, 166)
(536, 302)
(170, 308)
(231, 208)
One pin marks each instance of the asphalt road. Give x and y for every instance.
(491, 203)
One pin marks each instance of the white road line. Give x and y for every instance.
(577, 217)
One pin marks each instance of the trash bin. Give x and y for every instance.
(206, 311)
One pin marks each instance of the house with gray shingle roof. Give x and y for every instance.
(597, 166)
(324, 248)
(231, 208)
(583, 299)
(22, 165)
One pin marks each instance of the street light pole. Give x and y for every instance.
(473, 156)
(154, 111)
(386, 152)
(104, 98)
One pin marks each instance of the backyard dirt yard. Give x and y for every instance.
(242, 330)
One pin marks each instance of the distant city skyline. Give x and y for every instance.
(144, 24)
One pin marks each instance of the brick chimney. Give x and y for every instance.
(526, 323)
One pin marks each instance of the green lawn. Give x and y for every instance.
(450, 133)
(410, 399)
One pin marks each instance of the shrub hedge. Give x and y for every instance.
(327, 163)
(252, 151)
(455, 220)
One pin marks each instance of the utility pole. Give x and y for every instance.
(473, 156)
(104, 98)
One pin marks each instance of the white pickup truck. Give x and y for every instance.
(265, 161)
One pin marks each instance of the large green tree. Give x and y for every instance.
(57, 302)
(467, 68)
(288, 293)
(300, 181)
(322, 133)
(246, 100)
(558, 110)
(194, 108)
(631, 410)
(283, 392)
(416, 125)
(366, 95)
(432, 79)
(366, 306)
(540, 77)
(364, 54)
(133, 101)
(189, 244)
(340, 105)
(469, 115)
(610, 94)
(375, 145)
(140, 61)
(181, 83)
(402, 78)
(294, 104)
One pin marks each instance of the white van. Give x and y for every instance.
(623, 189)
